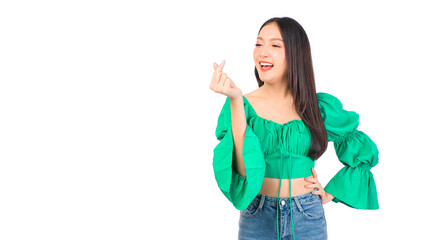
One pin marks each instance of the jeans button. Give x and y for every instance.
(283, 203)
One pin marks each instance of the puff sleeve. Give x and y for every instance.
(354, 184)
(239, 190)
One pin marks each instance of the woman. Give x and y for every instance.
(270, 139)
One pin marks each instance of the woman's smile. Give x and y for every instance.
(265, 66)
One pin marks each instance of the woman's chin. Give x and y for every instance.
(268, 80)
(272, 78)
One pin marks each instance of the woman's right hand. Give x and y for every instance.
(222, 84)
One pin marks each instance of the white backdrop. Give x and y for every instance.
(107, 122)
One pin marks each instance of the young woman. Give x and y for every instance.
(270, 139)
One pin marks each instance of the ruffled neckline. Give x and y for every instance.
(300, 121)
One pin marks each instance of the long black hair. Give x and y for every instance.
(301, 81)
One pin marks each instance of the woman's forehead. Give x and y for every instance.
(270, 32)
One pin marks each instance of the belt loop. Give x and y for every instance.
(261, 203)
(298, 204)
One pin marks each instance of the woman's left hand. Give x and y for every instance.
(313, 183)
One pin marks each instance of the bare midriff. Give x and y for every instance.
(270, 187)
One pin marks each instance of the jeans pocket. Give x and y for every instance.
(252, 209)
(313, 209)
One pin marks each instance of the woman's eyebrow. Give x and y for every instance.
(271, 39)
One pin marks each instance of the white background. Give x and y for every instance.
(107, 122)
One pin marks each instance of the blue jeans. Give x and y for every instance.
(258, 221)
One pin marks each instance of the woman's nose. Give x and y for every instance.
(264, 52)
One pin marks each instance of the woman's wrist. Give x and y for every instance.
(238, 97)
(329, 196)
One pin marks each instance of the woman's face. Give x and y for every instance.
(269, 54)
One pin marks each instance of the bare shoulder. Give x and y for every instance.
(254, 96)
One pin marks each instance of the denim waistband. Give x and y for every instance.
(272, 201)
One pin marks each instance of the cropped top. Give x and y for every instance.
(280, 151)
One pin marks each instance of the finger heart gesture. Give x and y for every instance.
(221, 83)
(313, 183)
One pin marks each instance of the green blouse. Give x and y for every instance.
(280, 151)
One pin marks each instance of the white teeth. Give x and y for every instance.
(266, 64)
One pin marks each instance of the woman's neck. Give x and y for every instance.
(278, 91)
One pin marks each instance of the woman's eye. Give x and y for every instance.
(258, 45)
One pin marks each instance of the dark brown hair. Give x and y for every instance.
(301, 81)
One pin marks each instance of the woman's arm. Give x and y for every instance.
(238, 126)
(221, 83)
(238, 162)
